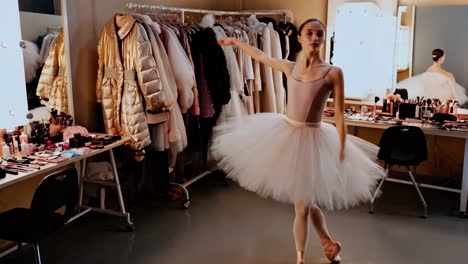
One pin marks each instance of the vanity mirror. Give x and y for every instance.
(433, 27)
(361, 40)
(45, 57)
(24, 27)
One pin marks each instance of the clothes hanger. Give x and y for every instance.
(155, 18)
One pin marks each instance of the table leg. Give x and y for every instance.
(82, 176)
(464, 188)
(117, 181)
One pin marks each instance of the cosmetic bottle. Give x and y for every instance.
(16, 151)
(5, 149)
(24, 149)
(416, 111)
(23, 138)
(391, 107)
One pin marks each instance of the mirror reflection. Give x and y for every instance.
(437, 59)
(44, 57)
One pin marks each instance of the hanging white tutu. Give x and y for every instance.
(289, 161)
(433, 85)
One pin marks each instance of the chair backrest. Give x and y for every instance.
(57, 190)
(404, 143)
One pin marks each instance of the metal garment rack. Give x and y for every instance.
(156, 9)
(148, 9)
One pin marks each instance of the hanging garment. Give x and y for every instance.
(215, 69)
(53, 83)
(248, 76)
(257, 73)
(185, 79)
(110, 78)
(205, 100)
(46, 45)
(268, 97)
(294, 45)
(210, 66)
(277, 75)
(235, 108)
(164, 129)
(129, 88)
(181, 67)
(281, 33)
(195, 109)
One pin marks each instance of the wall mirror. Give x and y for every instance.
(45, 56)
(423, 29)
(34, 51)
(361, 40)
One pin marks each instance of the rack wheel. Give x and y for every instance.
(227, 181)
(187, 204)
(462, 214)
(130, 227)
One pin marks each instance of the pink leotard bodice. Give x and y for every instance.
(306, 100)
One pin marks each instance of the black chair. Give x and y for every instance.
(31, 225)
(402, 146)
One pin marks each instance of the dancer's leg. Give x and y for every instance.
(331, 247)
(301, 229)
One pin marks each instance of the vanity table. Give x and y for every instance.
(80, 164)
(378, 128)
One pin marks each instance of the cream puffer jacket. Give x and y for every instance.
(128, 84)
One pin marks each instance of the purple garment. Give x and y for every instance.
(206, 102)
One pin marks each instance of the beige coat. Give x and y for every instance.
(53, 85)
(268, 96)
(276, 53)
(173, 132)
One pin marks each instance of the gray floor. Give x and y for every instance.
(226, 224)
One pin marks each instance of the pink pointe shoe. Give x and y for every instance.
(331, 249)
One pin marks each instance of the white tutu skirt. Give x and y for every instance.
(289, 161)
(433, 85)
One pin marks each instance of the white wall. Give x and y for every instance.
(301, 9)
(444, 27)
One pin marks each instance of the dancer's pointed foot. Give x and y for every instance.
(331, 249)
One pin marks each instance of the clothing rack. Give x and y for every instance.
(148, 8)
(155, 9)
